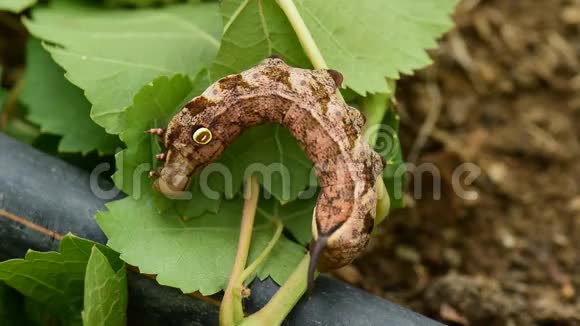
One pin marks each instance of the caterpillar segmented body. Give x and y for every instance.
(329, 131)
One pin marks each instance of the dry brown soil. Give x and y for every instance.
(504, 94)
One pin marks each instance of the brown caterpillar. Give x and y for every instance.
(330, 132)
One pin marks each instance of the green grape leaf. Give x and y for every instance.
(371, 40)
(59, 107)
(192, 255)
(111, 54)
(296, 215)
(11, 306)
(55, 279)
(105, 297)
(273, 155)
(367, 40)
(254, 30)
(38, 314)
(16, 6)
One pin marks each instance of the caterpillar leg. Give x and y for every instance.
(156, 131)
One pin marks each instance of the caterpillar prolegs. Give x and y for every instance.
(329, 131)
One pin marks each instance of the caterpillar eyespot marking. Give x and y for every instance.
(328, 130)
(202, 136)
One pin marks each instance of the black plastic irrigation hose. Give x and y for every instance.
(42, 197)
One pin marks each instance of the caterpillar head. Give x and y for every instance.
(191, 144)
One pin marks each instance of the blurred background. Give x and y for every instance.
(504, 94)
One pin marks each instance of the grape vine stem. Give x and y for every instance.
(231, 312)
(306, 40)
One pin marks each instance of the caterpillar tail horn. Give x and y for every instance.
(316, 248)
